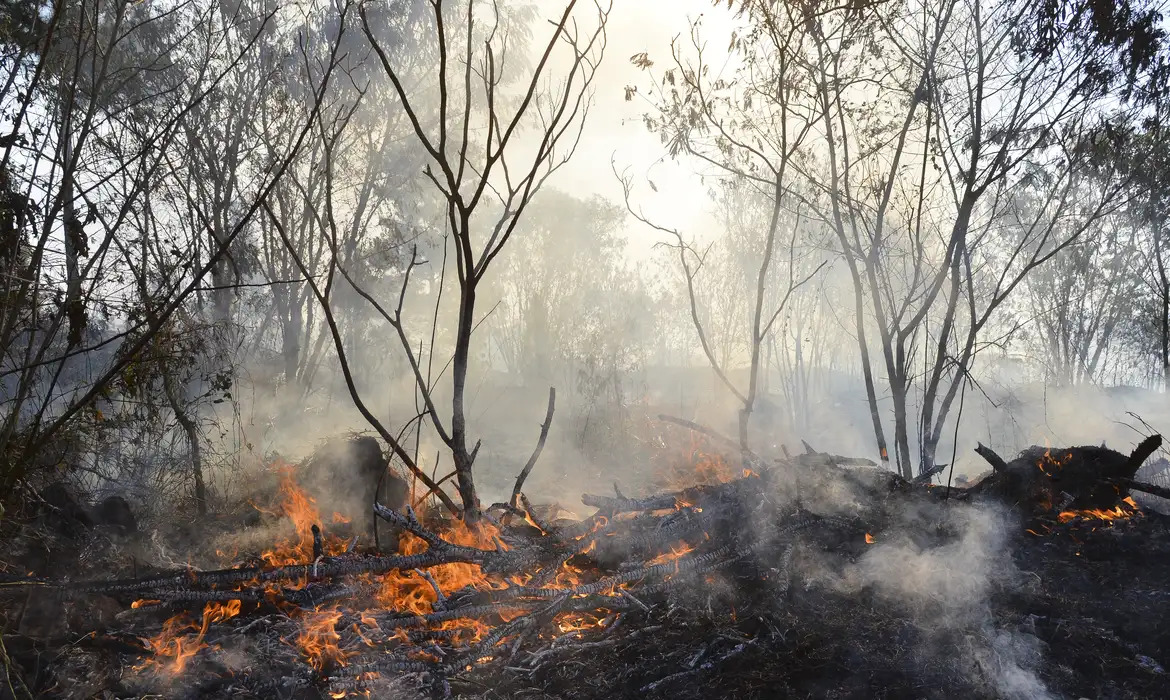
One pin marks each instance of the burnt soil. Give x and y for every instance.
(1074, 609)
(1096, 598)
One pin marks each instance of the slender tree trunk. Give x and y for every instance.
(899, 387)
(930, 394)
(291, 341)
(74, 241)
(1164, 286)
(459, 452)
(192, 432)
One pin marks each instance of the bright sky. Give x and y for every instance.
(614, 128)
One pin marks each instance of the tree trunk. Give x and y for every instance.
(898, 386)
(74, 241)
(291, 341)
(459, 452)
(1164, 287)
(192, 432)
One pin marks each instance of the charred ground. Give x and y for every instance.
(798, 578)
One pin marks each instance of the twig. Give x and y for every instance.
(704, 430)
(548, 416)
(438, 484)
(1159, 491)
(707, 665)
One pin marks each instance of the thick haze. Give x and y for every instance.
(1007, 268)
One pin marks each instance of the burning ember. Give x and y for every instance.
(1127, 509)
(175, 645)
(401, 592)
(514, 596)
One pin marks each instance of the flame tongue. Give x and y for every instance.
(174, 642)
(319, 639)
(301, 510)
(1128, 508)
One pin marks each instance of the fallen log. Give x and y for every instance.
(1042, 480)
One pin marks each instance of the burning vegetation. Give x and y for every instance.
(755, 581)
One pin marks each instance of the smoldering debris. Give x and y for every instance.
(747, 585)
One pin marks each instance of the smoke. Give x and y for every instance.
(946, 589)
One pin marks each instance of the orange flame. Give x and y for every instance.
(869, 539)
(673, 555)
(575, 622)
(301, 509)
(1118, 512)
(1055, 464)
(698, 466)
(174, 643)
(318, 639)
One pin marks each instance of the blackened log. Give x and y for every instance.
(926, 476)
(992, 458)
(1160, 491)
(190, 579)
(613, 504)
(1143, 451)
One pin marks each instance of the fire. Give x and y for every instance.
(409, 592)
(301, 509)
(1054, 464)
(673, 555)
(568, 576)
(176, 644)
(318, 639)
(699, 466)
(869, 539)
(575, 622)
(1118, 512)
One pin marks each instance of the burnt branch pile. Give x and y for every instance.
(801, 577)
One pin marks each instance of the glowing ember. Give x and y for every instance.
(144, 603)
(869, 539)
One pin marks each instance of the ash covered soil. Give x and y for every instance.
(1080, 612)
(885, 590)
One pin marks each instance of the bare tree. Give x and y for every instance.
(101, 94)
(484, 186)
(701, 116)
